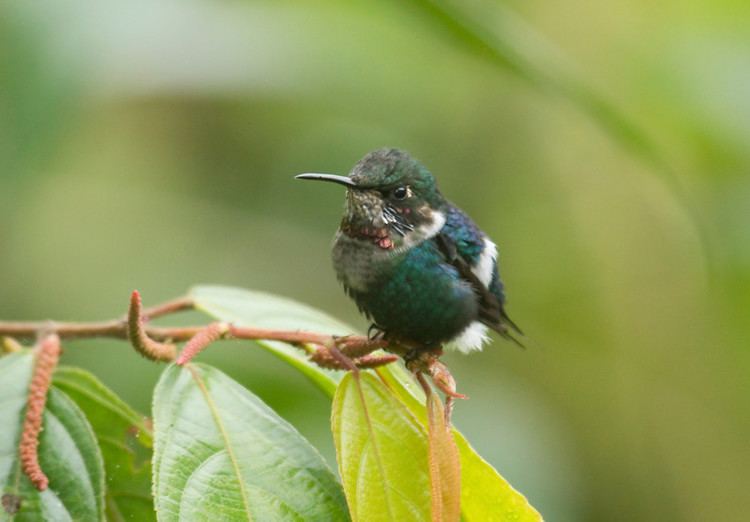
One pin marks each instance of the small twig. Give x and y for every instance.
(31, 329)
(48, 354)
(373, 361)
(355, 346)
(296, 337)
(323, 357)
(140, 340)
(170, 307)
(157, 343)
(343, 360)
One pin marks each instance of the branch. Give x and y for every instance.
(157, 343)
(180, 304)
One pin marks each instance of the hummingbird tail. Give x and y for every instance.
(507, 328)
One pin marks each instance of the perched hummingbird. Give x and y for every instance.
(415, 264)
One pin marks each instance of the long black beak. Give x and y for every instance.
(341, 180)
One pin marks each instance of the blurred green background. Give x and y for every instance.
(604, 146)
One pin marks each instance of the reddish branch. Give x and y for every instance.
(170, 307)
(157, 344)
(47, 356)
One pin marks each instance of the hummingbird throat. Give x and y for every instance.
(389, 227)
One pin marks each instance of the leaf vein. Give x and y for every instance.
(222, 430)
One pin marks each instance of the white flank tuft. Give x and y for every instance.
(486, 263)
(471, 339)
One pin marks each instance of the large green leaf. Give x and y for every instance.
(68, 454)
(485, 495)
(222, 454)
(124, 440)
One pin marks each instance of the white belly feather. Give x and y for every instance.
(475, 335)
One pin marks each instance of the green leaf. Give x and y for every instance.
(485, 495)
(68, 453)
(382, 453)
(221, 453)
(124, 440)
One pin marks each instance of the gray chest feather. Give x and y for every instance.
(360, 264)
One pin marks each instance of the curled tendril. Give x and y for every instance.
(143, 344)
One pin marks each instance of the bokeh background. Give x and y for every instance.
(604, 146)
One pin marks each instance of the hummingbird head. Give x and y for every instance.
(391, 198)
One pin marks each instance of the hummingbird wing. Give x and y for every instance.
(462, 244)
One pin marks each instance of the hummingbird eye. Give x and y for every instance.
(400, 192)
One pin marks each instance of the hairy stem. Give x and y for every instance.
(156, 343)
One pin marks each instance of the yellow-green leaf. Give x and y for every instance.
(381, 451)
(485, 495)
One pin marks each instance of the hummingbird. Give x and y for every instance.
(416, 265)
